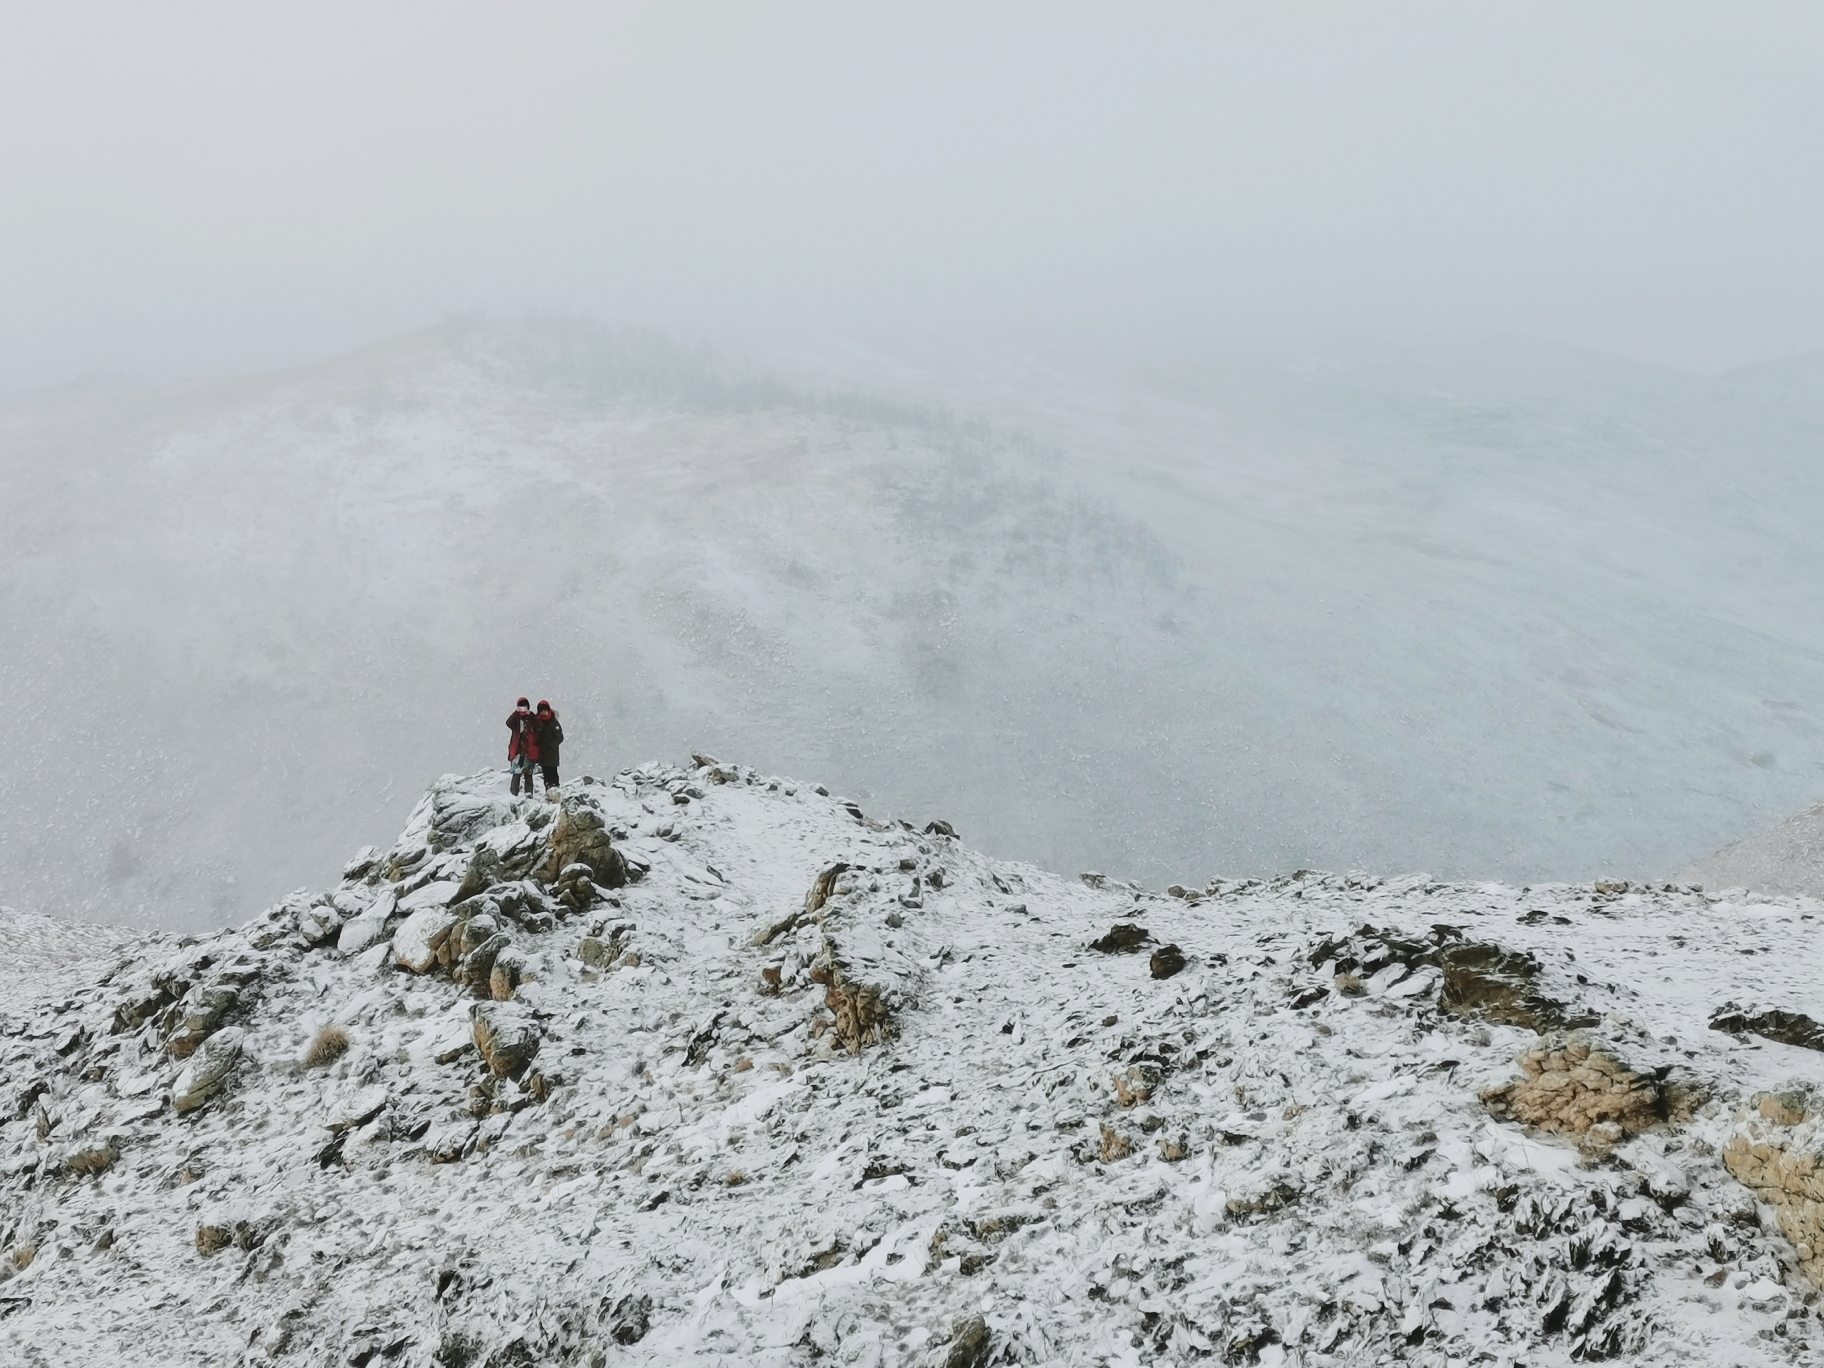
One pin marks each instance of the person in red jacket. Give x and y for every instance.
(522, 748)
(548, 734)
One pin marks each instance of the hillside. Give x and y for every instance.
(702, 1062)
(1514, 612)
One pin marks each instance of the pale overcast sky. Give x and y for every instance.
(212, 186)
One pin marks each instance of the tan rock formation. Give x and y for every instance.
(1578, 1086)
(1777, 1149)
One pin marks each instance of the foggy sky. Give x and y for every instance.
(206, 187)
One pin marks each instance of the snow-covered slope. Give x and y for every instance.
(1789, 859)
(1515, 613)
(703, 1064)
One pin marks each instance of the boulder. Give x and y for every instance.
(1788, 1028)
(1578, 1086)
(1166, 961)
(507, 1035)
(1777, 1149)
(420, 937)
(202, 1078)
(579, 836)
(1500, 985)
(203, 1009)
(1123, 938)
(362, 931)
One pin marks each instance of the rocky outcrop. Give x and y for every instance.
(507, 1036)
(208, 1070)
(1788, 1028)
(1777, 1149)
(579, 836)
(1501, 985)
(1577, 1086)
(420, 938)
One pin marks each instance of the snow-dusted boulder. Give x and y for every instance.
(420, 938)
(208, 1069)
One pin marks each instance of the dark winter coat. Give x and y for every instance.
(524, 727)
(547, 738)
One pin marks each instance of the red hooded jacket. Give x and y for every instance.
(525, 736)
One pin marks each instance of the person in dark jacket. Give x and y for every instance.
(522, 748)
(548, 733)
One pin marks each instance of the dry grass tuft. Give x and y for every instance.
(326, 1047)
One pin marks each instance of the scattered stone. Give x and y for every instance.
(579, 836)
(1577, 1086)
(630, 1318)
(208, 1069)
(1777, 1150)
(203, 1009)
(1166, 961)
(1499, 985)
(1788, 1028)
(1123, 938)
(507, 1036)
(420, 937)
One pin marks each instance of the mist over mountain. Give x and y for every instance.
(1523, 613)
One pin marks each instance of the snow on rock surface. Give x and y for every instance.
(705, 1064)
(1785, 860)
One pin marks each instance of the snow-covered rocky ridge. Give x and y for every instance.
(769, 1081)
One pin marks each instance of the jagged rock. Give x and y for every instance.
(1500, 985)
(202, 1010)
(1166, 961)
(1578, 1086)
(420, 938)
(629, 1320)
(511, 967)
(1777, 1149)
(579, 836)
(1123, 938)
(507, 1035)
(477, 967)
(823, 888)
(208, 1069)
(575, 887)
(1788, 1028)
(362, 931)
(318, 921)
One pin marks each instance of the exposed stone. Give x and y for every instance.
(511, 968)
(1166, 961)
(629, 1319)
(578, 836)
(1578, 1086)
(1788, 1028)
(1500, 985)
(507, 1036)
(1777, 1150)
(208, 1069)
(202, 1010)
(420, 937)
(1123, 938)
